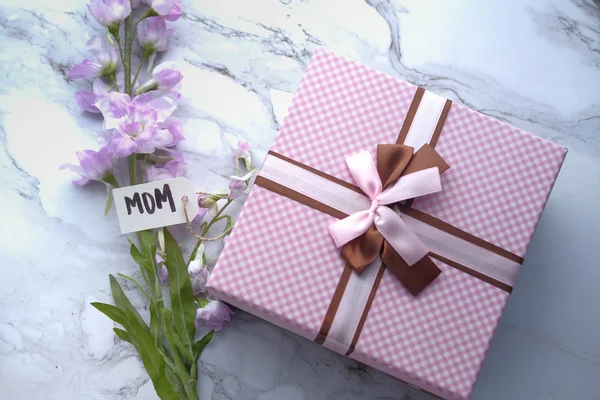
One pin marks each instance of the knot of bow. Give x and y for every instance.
(380, 232)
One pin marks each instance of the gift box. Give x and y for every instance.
(388, 224)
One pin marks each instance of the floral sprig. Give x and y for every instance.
(139, 126)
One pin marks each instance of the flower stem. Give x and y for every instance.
(205, 231)
(118, 40)
(138, 72)
(128, 49)
(132, 161)
(113, 79)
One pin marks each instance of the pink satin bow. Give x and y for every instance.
(387, 222)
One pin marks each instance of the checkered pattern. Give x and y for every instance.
(280, 261)
(498, 182)
(437, 340)
(281, 264)
(341, 108)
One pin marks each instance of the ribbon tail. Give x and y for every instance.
(415, 278)
(351, 227)
(404, 253)
(425, 157)
(399, 235)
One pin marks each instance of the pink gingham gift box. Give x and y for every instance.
(281, 264)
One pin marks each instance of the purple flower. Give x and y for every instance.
(199, 281)
(104, 62)
(171, 169)
(236, 187)
(94, 166)
(161, 270)
(137, 124)
(173, 125)
(110, 12)
(243, 149)
(237, 184)
(87, 99)
(198, 273)
(207, 203)
(201, 214)
(214, 315)
(163, 156)
(153, 35)
(169, 9)
(164, 78)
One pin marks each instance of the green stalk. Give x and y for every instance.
(132, 162)
(205, 231)
(128, 49)
(113, 79)
(190, 390)
(138, 71)
(118, 40)
(180, 368)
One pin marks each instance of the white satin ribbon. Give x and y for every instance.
(389, 224)
(425, 120)
(349, 312)
(348, 201)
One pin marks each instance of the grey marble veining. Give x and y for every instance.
(534, 64)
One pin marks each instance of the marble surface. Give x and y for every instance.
(532, 63)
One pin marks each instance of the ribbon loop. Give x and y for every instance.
(417, 184)
(365, 174)
(356, 233)
(351, 227)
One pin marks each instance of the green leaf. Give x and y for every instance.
(175, 382)
(147, 259)
(229, 223)
(109, 200)
(122, 302)
(136, 283)
(182, 297)
(152, 359)
(123, 335)
(111, 312)
(201, 344)
(172, 339)
(137, 256)
(147, 244)
(155, 325)
(145, 265)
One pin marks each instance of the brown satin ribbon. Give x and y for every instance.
(393, 162)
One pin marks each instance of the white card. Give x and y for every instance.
(154, 204)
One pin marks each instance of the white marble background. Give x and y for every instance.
(532, 63)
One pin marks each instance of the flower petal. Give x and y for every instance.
(175, 128)
(169, 9)
(87, 69)
(164, 107)
(123, 146)
(86, 100)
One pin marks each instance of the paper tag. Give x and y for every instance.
(154, 204)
